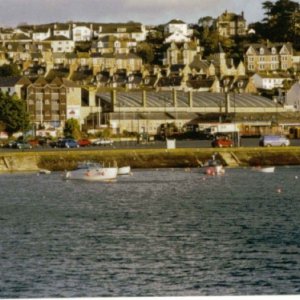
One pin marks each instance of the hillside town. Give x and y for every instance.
(132, 78)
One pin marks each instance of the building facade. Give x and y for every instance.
(263, 58)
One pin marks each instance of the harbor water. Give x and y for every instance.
(166, 232)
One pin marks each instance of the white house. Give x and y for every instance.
(61, 44)
(82, 33)
(41, 34)
(130, 30)
(62, 30)
(268, 82)
(177, 26)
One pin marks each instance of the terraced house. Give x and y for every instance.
(262, 58)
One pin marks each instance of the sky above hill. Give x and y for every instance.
(148, 12)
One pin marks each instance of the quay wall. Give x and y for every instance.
(148, 158)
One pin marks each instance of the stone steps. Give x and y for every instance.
(230, 159)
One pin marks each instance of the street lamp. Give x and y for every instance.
(226, 83)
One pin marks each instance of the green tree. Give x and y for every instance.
(146, 52)
(279, 24)
(72, 129)
(13, 115)
(9, 70)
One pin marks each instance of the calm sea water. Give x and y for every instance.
(156, 233)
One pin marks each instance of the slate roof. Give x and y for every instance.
(268, 48)
(9, 81)
(169, 81)
(109, 28)
(61, 27)
(198, 82)
(176, 21)
(20, 36)
(200, 64)
(229, 16)
(57, 38)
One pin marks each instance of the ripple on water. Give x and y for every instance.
(156, 233)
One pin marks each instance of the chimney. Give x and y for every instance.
(144, 98)
(190, 99)
(227, 103)
(113, 99)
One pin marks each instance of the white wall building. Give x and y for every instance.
(268, 82)
(177, 26)
(41, 34)
(62, 30)
(61, 44)
(82, 33)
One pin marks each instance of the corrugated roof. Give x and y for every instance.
(200, 99)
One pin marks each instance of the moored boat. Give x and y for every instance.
(44, 172)
(92, 172)
(265, 169)
(213, 167)
(126, 170)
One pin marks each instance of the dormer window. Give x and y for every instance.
(261, 51)
(121, 29)
(273, 50)
(131, 78)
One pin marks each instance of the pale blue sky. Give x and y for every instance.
(148, 12)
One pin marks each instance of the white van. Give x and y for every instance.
(273, 140)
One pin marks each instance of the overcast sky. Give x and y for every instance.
(148, 12)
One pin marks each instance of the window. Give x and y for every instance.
(121, 29)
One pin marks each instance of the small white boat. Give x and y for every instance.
(265, 169)
(126, 170)
(92, 172)
(213, 167)
(44, 171)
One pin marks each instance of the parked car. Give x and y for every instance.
(66, 143)
(21, 145)
(103, 142)
(84, 142)
(34, 142)
(273, 140)
(222, 141)
(9, 144)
